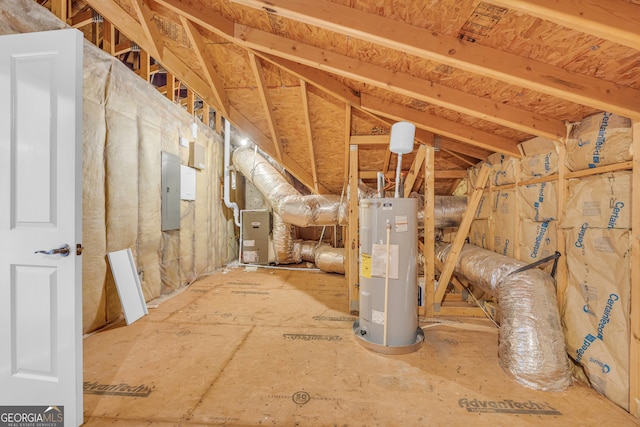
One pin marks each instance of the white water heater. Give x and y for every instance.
(388, 320)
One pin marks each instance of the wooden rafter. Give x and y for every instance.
(465, 159)
(125, 23)
(171, 87)
(614, 20)
(152, 35)
(483, 60)
(438, 174)
(317, 78)
(347, 137)
(401, 83)
(221, 26)
(206, 62)
(461, 234)
(175, 65)
(82, 18)
(258, 73)
(415, 170)
(441, 126)
(265, 143)
(307, 121)
(60, 8)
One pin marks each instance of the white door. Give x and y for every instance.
(40, 210)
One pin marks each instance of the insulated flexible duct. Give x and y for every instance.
(531, 348)
(291, 208)
(325, 209)
(285, 200)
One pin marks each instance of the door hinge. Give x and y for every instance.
(79, 249)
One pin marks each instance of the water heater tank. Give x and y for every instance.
(389, 236)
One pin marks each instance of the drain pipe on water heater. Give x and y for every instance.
(386, 286)
(227, 172)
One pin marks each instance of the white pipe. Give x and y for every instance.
(398, 171)
(380, 184)
(386, 286)
(227, 170)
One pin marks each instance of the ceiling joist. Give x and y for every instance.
(258, 73)
(483, 60)
(401, 83)
(222, 101)
(614, 20)
(441, 126)
(307, 122)
(152, 36)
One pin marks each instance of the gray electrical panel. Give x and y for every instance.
(170, 192)
(255, 230)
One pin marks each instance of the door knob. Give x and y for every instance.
(62, 250)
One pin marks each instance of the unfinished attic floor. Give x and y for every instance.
(276, 347)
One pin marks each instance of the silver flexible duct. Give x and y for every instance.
(291, 208)
(285, 200)
(531, 347)
(326, 257)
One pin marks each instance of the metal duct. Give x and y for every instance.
(284, 245)
(286, 201)
(531, 347)
(291, 208)
(325, 257)
(326, 209)
(448, 210)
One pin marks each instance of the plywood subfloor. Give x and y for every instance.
(275, 347)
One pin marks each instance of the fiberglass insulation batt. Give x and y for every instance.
(127, 124)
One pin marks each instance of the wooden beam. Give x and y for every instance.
(225, 28)
(353, 244)
(614, 20)
(439, 266)
(206, 63)
(369, 140)
(145, 63)
(441, 126)
(424, 136)
(401, 83)
(80, 19)
(476, 58)
(191, 100)
(171, 87)
(108, 37)
(465, 310)
(201, 14)
(347, 138)
(634, 348)
(307, 122)
(437, 174)
(466, 159)
(428, 248)
(125, 23)
(152, 35)
(416, 169)
(461, 234)
(206, 112)
(316, 77)
(459, 147)
(451, 174)
(261, 83)
(60, 8)
(264, 142)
